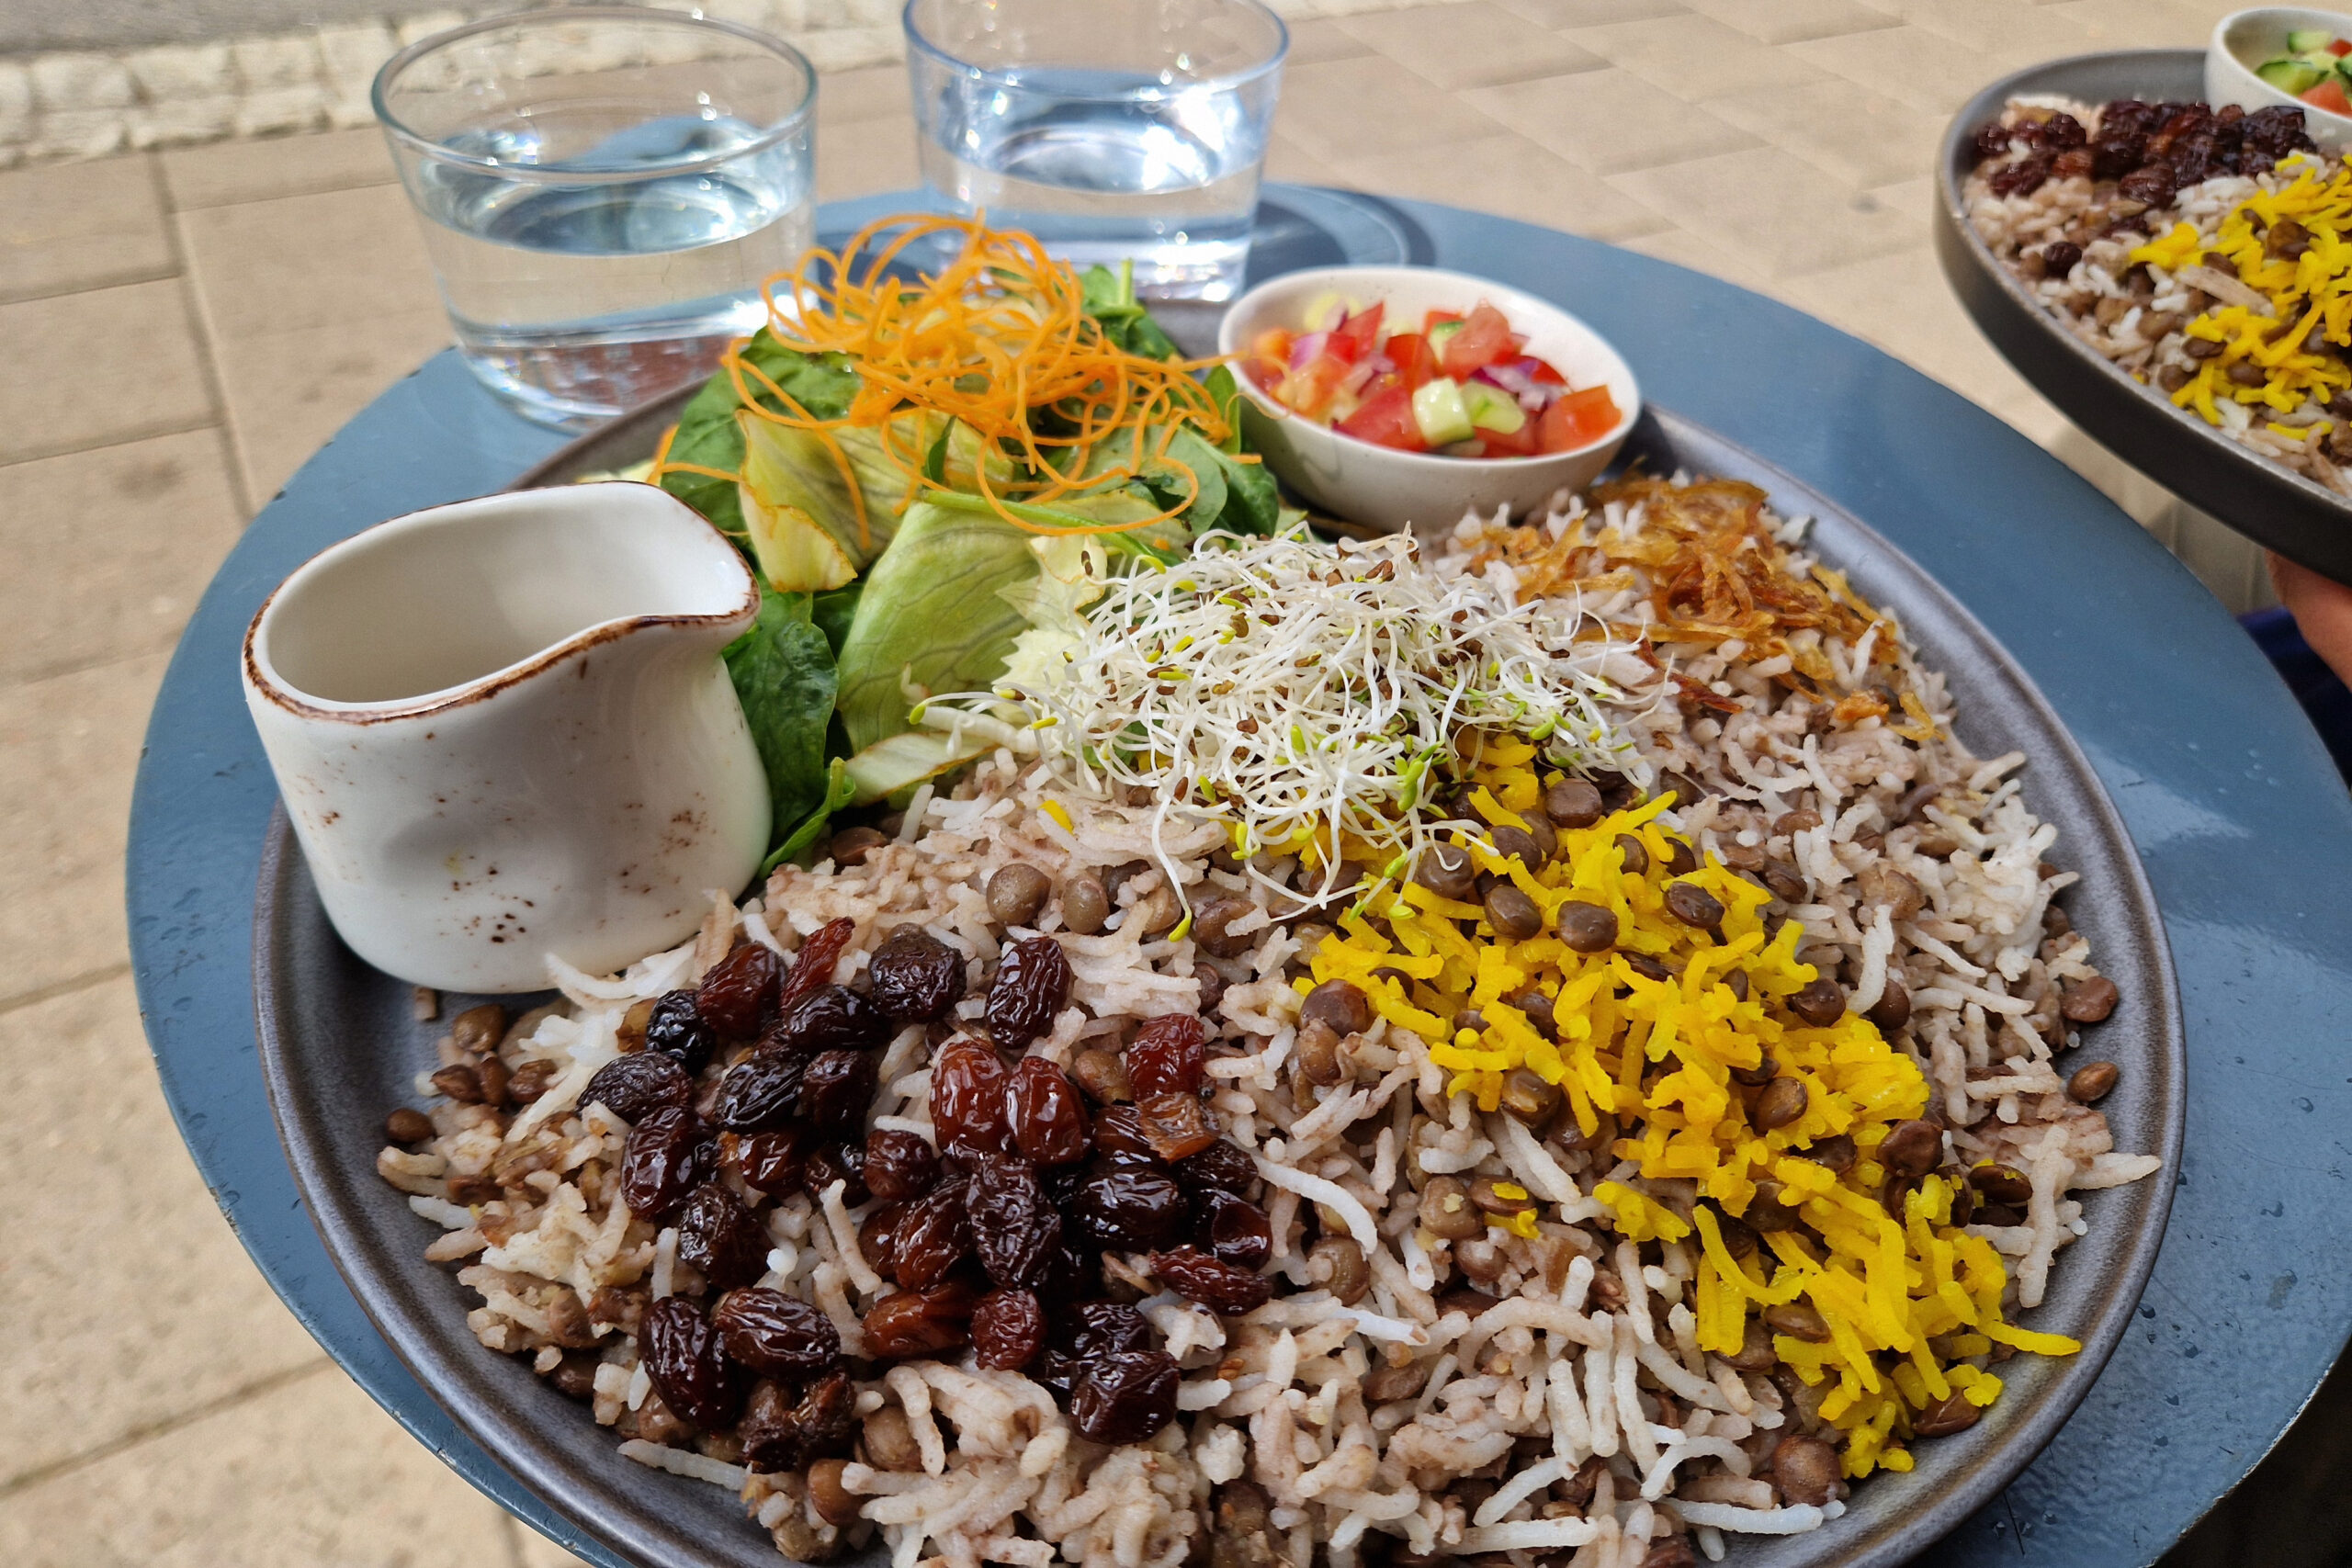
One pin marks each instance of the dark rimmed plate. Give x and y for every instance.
(339, 1048)
(2272, 505)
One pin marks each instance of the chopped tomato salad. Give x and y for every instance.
(1461, 386)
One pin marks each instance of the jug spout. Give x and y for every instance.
(503, 731)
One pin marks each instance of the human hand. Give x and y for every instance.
(2322, 612)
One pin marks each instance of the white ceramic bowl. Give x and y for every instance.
(1380, 487)
(2244, 40)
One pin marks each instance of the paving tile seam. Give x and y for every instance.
(26, 1480)
(208, 356)
(123, 437)
(89, 285)
(67, 987)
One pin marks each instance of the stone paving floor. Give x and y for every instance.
(186, 326)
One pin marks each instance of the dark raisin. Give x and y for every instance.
(813, 966)
(719, 1236)
(968, 1091)
(1076, 1270)
(917, 977)
(1082, 1333)
(1218, 1286)
(738, 993)
(1223, 1166)
(757, 1094)
(2274, 132)
(632, 1088)
(2154, 184)
(1118, 1137)
(775, 1335)
(1168, 1055)
(844, 1163)
(1175, 1125)
(667, 1156)
(1130, 1209)
(1235, 1230)
(1049, 1123)
(2023, 177)
(2059, 257)
(830, 1018)
(1992, 141)
(921, 1323)
(773, 1163)
(781, 1435)
(1032, 984)
(676, 1029)
(877, 1238)
(1014, 1227)
(689, 1369)
(837, 1091)
(2060, 131)
(1095, 1328)
(933, 1234)
(1008, 1330)
(1125, 1397)
(899, 1165)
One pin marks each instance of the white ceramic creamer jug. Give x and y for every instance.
(503, 730)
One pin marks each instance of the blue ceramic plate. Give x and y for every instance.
(2242, 830)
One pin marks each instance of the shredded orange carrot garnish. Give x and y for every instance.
(996, 338)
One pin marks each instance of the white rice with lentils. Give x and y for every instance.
(1451, 1346)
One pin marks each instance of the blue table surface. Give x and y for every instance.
(2238, 814)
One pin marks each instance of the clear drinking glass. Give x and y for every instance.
(602, 189)
(1112, 130)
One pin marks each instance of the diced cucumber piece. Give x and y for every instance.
(2309, 40)
(1440, 333)
(2342, 65)
(1492, 408)
(1441, 413)
(2289, 76)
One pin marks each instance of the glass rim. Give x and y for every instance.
(1272, 63)
(769, 136)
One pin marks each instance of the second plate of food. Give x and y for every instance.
(2128, 265)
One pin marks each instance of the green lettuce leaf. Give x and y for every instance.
(832, 612)
(793, 484)
(840, 790)
(1110, 299)
(784, 675)
(823, 384)
(930, 613)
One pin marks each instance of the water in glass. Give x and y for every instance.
(1134, 131)
(603, 190)
(580, 301)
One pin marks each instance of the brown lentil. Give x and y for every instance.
(1587, 927)
(1447, 1212)
(1513, 913)
(2092, 1082)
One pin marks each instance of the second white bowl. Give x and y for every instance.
(2244, 40)
(1380, 487)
